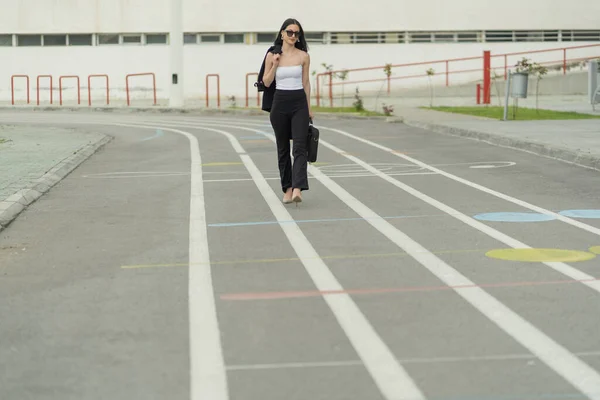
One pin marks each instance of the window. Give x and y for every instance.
(342, 38)
(132, 39)
(444, 37)
(156, 38)
(55, 40)
(6, 40)
(80, 40)
(586, 36)
(190, 38)
(366, 37)
(265, 38)
(394, 37)
(210, 38)
(108, 39)
(532, 36)
(234, 38)
(314, 37)
(468, 37)
(29, 40)
(550, 36)
(499, 36)
(420, 37)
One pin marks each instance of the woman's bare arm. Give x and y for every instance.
(271, 64)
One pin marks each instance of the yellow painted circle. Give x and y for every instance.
(595, 249)
(540, 255)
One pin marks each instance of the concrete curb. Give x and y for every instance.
(190, 111)
(12, 206)
(564, 154)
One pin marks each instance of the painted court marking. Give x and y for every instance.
(514, 217)
(572, 369)
(208, 378)
(560, 267)
(563, 268)
(392, 380)
(287, 259)
(421, 360)
(135, 174)
(495, 193)
(304, 221)
(379, 291)
(556, 356)
(591, 214)
(540, 255)
(221, 164)
(158, 134)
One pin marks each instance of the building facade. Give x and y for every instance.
(228, 39)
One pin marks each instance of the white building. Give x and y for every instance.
(78, 38)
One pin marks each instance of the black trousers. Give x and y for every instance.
(289, 119)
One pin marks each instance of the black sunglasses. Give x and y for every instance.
(291, 33)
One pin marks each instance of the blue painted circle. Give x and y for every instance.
(514, 217)
(581, 213)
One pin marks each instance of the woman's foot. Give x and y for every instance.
(287, 197)
(297, 196)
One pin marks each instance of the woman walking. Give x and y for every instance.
(288, 66)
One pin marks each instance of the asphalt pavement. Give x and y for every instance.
(418, 266)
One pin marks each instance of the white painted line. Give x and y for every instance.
(254, 367)
(565, 364)
(331, 176)
(404, 361)
(207, 370)
(392, 380)
(555, 356)
(474, 185)
(560, 267)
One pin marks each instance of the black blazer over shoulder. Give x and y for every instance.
(268, 92)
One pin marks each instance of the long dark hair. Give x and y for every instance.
(300, 42)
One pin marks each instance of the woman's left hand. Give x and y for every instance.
(311, 114)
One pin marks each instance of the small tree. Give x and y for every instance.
(358, 103)
(430, 72)
(388, 109)
(539, 71)
(343, 75)
(388, 73)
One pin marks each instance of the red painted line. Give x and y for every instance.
(316, 293)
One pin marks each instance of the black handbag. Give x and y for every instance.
(313, 142)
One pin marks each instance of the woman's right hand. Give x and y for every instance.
(276, 59)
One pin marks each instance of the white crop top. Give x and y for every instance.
(289, 77)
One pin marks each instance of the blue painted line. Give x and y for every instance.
(590, 214)
(158, 134)
(304, 221)
(514, 217)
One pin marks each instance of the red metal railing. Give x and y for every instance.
(38, 88)
(447, 68)
(90, 87)
(12, 87)
(248, 75)
(140, 74)
(60, 79)
(218, 88)
(562, 50)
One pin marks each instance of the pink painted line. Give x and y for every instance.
(316, 293)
